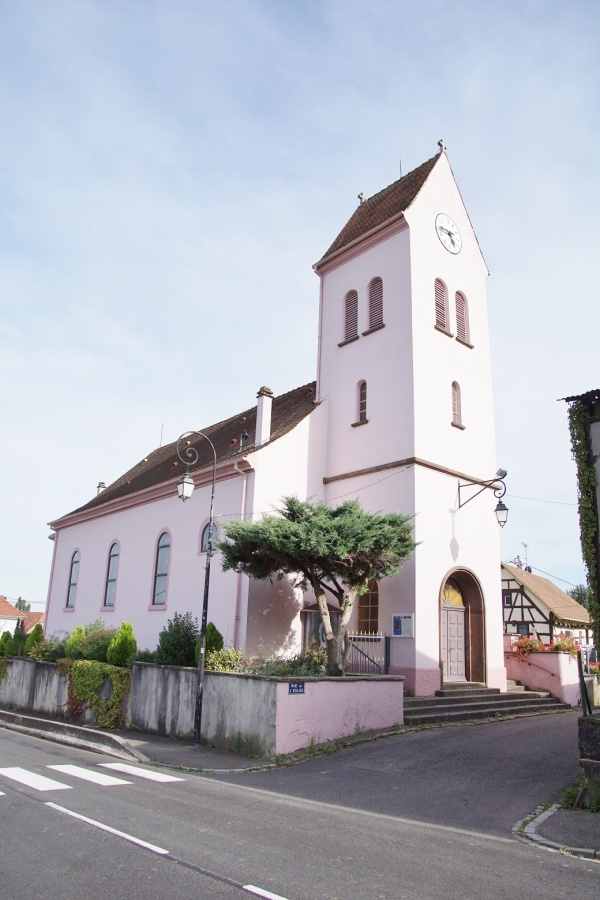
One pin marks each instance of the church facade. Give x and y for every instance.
(399, 415)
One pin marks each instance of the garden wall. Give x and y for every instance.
(553, 672)
(248, 713)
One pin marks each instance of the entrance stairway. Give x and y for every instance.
(470, 700)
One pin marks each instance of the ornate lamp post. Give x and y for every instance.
(185, 486)
(498, 486)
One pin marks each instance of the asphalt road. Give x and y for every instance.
(421, 815)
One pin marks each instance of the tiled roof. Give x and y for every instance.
(164, 464)
(31, 619)
(566, 610)
(388, 203)
(589, 397)
(7, 609)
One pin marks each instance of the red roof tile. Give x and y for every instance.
(387, 204)
(6, 609)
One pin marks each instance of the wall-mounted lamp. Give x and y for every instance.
(497, 485)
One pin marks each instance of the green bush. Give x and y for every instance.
(36, 637)
(225, 660)
(51, 649)
(177, 641)
(312, 664)
(11, 648)
(90, 642)
(214, 641)
(122, 649)
(147, 656)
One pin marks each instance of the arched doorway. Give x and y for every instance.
(462, 649)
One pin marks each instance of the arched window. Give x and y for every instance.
(161, 570)
(456, 410)
(376, 303)
(351, 315)
(441, 305)
(462, 317)
(368, 610)
(204, 540)
(361, 402)
(111, 576)
(73, 576)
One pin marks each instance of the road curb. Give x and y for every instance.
(526, 829)
(73, 735)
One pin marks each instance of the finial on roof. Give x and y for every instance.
(442, 146)
(361, 197)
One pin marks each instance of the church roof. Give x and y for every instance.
(378, 209)
(163, 464)
(566, 610)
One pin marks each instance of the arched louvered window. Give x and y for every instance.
(351, 315)
(161, 570)
(456, 410)
(462, 317)
(441, 305)
(368, 610)
(111, 576)
(362, 402)
(376, 303)
(73, 576)
(205, 534)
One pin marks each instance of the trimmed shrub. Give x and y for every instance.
(36, 637)
(122, 649)
(225, 660)
(177, 641)
(214, 641)
(72, 643)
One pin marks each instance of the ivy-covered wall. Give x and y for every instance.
(584, 411)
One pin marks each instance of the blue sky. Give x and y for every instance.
(170, 171)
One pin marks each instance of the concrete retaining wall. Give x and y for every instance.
(248, 713)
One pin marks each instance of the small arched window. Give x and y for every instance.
(361, 402)
(161, 570)
(111, 576)
(456, 408)
(368, 610)
(441, 305)
(376, 303)
(73, 576)
(205, 535)
(462, 318)
(351, 316)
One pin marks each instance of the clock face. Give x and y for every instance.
(448, 233)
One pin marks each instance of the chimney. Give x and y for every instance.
(101, 487)
(263, 416)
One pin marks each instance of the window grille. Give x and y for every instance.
(362, 401)
(462, 317)
(441, 305)
(375, 303)
(351, 308)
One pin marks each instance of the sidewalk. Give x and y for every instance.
(575, 831)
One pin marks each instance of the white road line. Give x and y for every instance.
(30, 779)
(90, 775)
(102, 827)
(260, 893)
(140, 773)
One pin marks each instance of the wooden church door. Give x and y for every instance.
(453, 633)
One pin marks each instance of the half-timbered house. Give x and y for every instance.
(535, 606)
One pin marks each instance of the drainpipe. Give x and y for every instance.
(238, 592)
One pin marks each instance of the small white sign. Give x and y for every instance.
(403, 625)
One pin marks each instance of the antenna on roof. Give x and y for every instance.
(400, 161)
(161, 431)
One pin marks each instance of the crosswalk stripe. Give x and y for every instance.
(89, 775)
(140, 773)
(31, 779)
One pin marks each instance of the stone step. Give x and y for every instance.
(463, 714)
(428, 703)
(471, 692)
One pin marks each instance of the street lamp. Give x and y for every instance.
(498, 486)
(185, 486)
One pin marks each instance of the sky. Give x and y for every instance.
(170, 171)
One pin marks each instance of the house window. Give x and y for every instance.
(351, 316)
(111, 576)
(441, 305)
(362, 402)
(368, 610)
(462, 318)
(73, 576)
(205, 534)
(507, 597)
(376, 303)
(163, 549)
(523, 630)
(456, 409)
